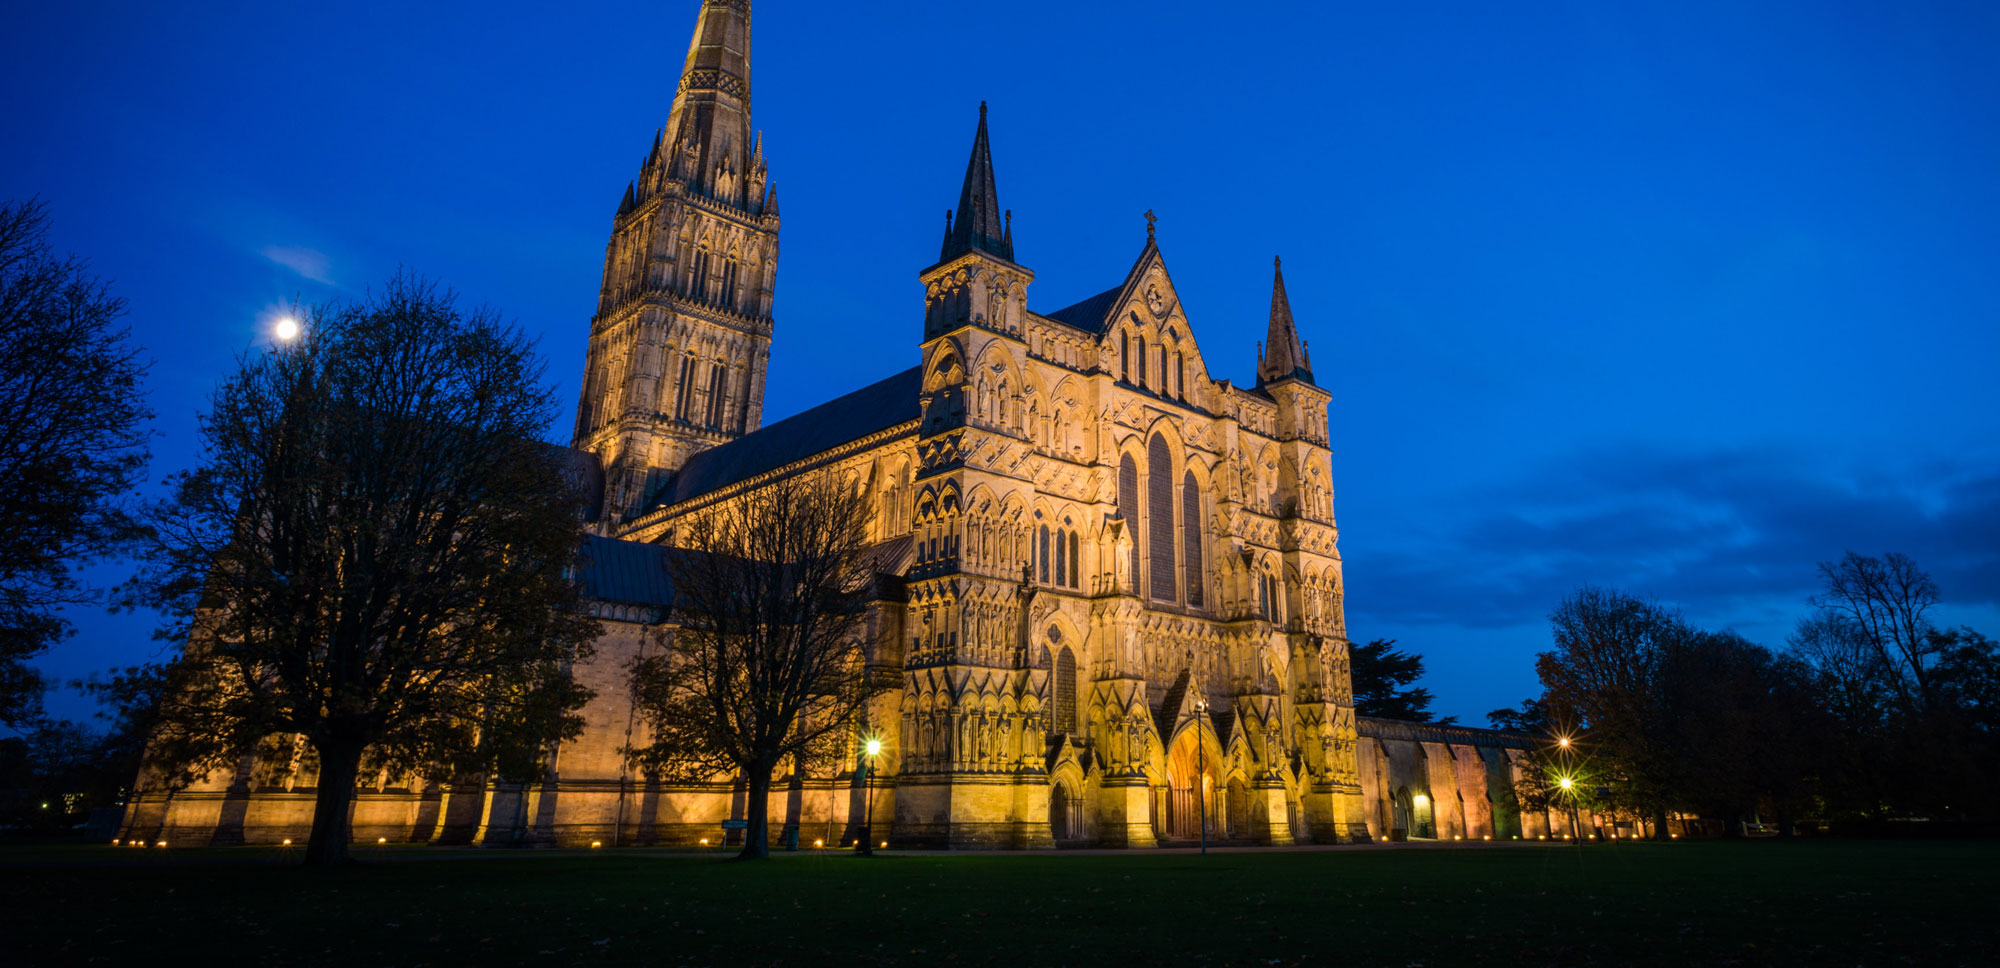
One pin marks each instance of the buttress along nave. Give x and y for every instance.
(1112, 589)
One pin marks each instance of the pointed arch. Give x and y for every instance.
(1162, 579)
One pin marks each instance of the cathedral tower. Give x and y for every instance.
(683, 327)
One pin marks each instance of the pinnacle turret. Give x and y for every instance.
(1282, 356)
(979, 223)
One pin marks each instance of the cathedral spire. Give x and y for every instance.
(979, 223)
(1283, 357)
(713, 143)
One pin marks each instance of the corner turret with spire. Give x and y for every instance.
(976, 281)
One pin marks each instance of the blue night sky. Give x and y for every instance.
(1677, 297)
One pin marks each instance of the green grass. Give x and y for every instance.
(1758, 903)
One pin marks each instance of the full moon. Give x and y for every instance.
(288, 328)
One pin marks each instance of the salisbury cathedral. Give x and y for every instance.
(1116, 596)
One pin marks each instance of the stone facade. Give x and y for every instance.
(1117, 598)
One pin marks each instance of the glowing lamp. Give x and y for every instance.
(597, 843)
(381, 840)
(114, 841)
(288, 841)
(819, 843)
(161, 844)
(1567, 783)
(885, 843)
(874, 747)
(704, 841)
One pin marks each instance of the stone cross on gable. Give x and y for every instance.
(1150, 219)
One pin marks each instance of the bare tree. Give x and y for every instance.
(375, 553)
(72, 441)
(767, 660)
(1884, 602)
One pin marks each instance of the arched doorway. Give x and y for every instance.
(1404, 811)
(1065, 813)
(1191, 784)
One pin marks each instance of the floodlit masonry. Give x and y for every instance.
(1111, 593)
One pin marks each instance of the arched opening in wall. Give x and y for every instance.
(1191, 785)
(1237, 799)
(1196, 578)
(1403, 815)
(1065, 813)
(1423, 823)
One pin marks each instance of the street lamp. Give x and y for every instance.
(874, 749)
(1201, 771)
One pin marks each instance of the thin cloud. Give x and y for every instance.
(310, 263)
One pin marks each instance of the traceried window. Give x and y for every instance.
(718, 387)
(686, 388)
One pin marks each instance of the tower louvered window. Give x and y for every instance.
(1191, 538)
(697, 283)
(1128, 506)
(1162, 581)
(1075, 561)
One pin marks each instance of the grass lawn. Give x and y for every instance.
(1757, 903)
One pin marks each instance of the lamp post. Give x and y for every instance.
(1569, 793)
(1201, 771)
(873, 748)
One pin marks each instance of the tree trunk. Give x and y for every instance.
(1659, 823)
(756, 812)
(338, 767)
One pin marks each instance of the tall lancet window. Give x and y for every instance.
(1128, 506)
(1162, 579)
(728, 294)
(697, 284)
(1064, 720)
(686, 388)
(1191, 538)
(718, 386)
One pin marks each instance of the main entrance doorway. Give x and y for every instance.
(1191, 785)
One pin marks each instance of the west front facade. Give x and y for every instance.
(1113, 598)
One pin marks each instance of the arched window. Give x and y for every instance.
(1128, 506)
(1162, 581)
(1075, 561)
(1125, 356)
(697, 286)
(1065, 711)
(718, 386)
(1191, 538)
(686, 387)
(728, 294)
(1042, 553)
(1142, 367)
(1062, 560)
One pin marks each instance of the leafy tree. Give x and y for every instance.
(768, 660)
(1609, 650)
(1531, 718)
(72, 442)
(1383, 677)
(374, 553)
